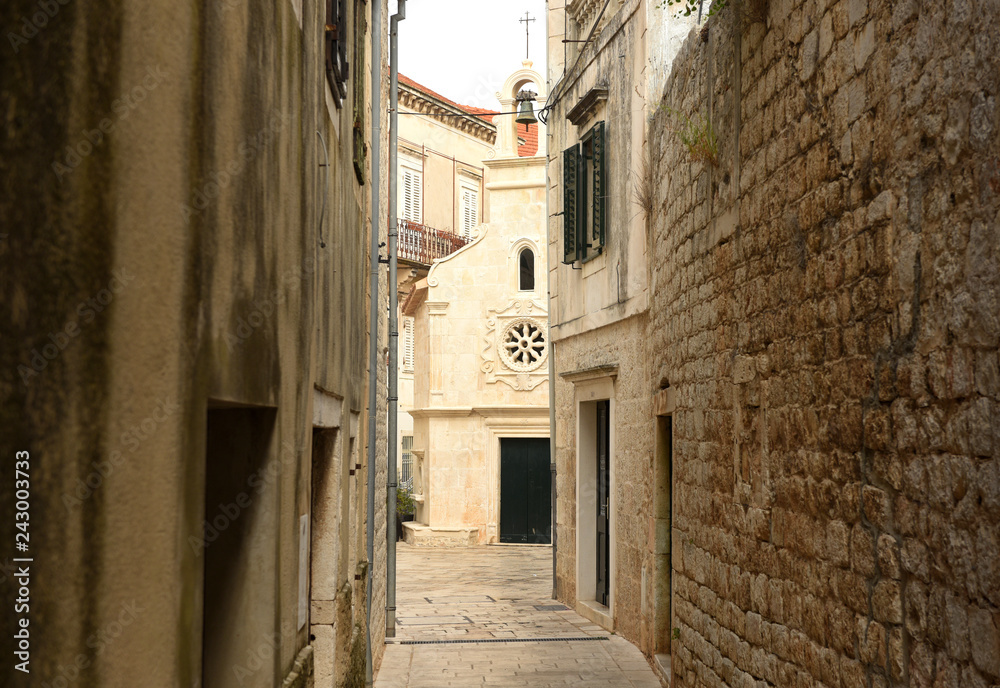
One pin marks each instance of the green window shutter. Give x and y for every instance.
(571, 175)
(360, 147)
(599, 201)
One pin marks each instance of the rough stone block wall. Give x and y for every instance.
(826, 305)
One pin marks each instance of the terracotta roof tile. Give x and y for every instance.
(485, 115)
(528, 132)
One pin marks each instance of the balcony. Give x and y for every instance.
(422, 244)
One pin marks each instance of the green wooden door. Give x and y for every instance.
(525, 490)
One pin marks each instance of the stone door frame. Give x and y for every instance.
(587, 392)
(535, 425)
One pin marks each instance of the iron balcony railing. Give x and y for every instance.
(422, 244)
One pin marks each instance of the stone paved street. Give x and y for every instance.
(488, 619)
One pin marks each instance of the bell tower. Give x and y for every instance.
(524, 78)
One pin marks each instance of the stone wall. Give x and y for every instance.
(825, 307)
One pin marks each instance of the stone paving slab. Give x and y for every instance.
(491, 618)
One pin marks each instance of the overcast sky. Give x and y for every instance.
(466, 49)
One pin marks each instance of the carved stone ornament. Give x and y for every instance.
(516, 345)
(523, 346)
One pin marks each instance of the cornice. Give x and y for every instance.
(581, 111)
(418, 101)
(587, 374)
(592, 50)
(490, 412)
(526, 161)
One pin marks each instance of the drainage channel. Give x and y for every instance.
(393, 641)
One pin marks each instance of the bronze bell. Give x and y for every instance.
(526, 113)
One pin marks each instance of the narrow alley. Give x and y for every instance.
(485, 616)
(456, 343)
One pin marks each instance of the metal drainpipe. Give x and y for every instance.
(390, 497)
(376, 184)
(552, 346)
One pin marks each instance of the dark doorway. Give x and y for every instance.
(525, 490)
(603, 494)
(238, 606)
(663, 500)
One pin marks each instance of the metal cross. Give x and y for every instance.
(527, 35)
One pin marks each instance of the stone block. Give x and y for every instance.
(864, 45)
(957, 623)
(842, 631)
(856, 11)
(877, 506)
(808, 55)
(887, 602)
(897, 654)
(888, 557)
(837, 543)
(921, 665)
(871, 642)
(825, 35)
(985, 640)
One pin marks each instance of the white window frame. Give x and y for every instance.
(468, 212)
(411, 178)
(514, 265)
(406, 360)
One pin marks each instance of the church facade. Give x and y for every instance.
(480, 449)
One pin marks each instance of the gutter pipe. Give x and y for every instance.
(390, 497)
(376, 211)
(552, 355)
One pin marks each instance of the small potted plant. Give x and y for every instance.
(404, 509)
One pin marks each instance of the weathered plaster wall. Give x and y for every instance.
(825, 308)
(204, 199)
(612, 286)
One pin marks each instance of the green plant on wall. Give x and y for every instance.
(404, 502)
(685, 8)
(750, 11)
(698, 136)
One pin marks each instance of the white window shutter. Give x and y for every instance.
(412, 196)
(407, 343)
(470, 211)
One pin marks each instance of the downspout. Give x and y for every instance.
(552, 419)
(390, 497)
(552, 350)
(376, 183)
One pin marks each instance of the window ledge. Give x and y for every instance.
(585, 374)
(587, 104)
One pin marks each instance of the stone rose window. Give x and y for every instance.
(523, 346)
(518, 347)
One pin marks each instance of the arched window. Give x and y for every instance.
(526, 270)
